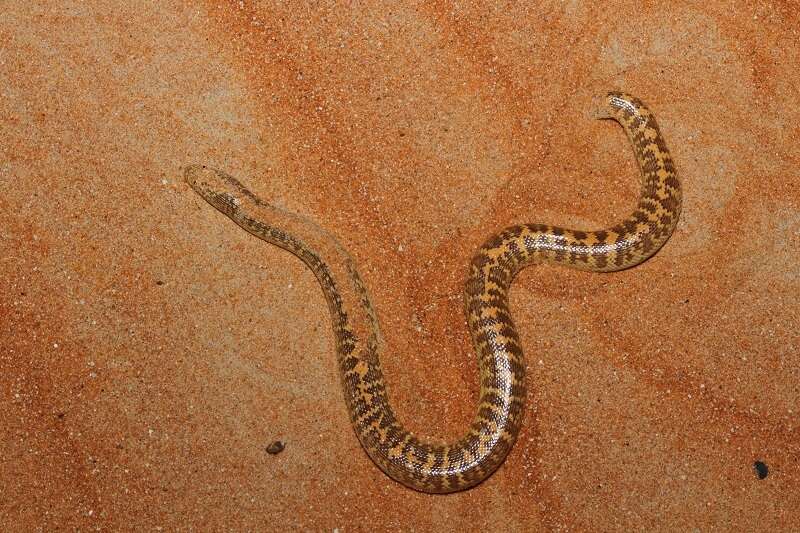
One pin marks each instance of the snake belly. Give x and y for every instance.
(449, 467)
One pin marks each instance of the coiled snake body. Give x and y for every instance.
(462, 464)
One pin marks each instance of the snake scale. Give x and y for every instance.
(441, 468)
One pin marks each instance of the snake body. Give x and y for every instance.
(440, 468)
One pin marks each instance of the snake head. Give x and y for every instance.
(219, 189)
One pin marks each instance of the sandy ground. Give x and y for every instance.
(150, 349)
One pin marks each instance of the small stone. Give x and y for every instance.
(275, 447)
(761, 469)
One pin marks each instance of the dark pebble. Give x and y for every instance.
(276, 447)
(761, 469)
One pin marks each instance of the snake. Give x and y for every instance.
(422, 464)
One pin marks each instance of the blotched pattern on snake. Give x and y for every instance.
(432, 467)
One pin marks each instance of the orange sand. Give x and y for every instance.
(151, 349)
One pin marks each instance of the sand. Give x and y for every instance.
(150, 350)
